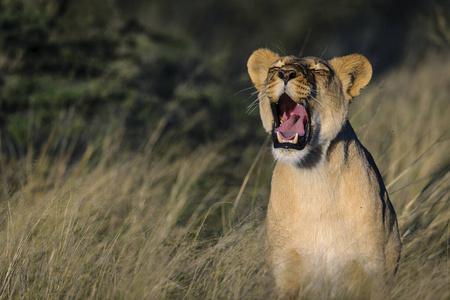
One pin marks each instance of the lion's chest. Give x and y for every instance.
(307, 213)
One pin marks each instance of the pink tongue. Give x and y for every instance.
(293, 123)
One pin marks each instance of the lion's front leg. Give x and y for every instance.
(287, 270)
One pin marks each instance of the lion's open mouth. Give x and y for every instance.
(292, 124)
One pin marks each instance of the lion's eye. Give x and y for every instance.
(321, 72)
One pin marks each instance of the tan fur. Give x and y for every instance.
(330, 223)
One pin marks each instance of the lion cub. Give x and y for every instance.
(330, 224)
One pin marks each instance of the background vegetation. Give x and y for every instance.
(133, 163)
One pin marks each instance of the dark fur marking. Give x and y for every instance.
(352, 81)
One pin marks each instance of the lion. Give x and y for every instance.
(330, 224)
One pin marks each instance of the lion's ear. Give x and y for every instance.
(258, 65)
(354, 71)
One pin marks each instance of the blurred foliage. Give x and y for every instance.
(55, 66)
(384, 31)
(179, 64)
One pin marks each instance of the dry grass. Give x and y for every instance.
(163, 226)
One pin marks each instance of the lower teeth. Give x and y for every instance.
(281, 140)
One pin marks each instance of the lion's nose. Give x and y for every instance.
(286, 75)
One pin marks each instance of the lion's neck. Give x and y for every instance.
(332, 153)
(340, 150)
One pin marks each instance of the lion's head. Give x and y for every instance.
(304, 101)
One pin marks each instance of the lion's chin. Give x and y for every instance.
(290, 156)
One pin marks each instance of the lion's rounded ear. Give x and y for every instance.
(258, 65)
(354, 71)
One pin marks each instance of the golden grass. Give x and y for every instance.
(174, 225)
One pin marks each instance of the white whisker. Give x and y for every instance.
(252, 106)
(243, 90)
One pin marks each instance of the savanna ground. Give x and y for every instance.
(113, 206)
